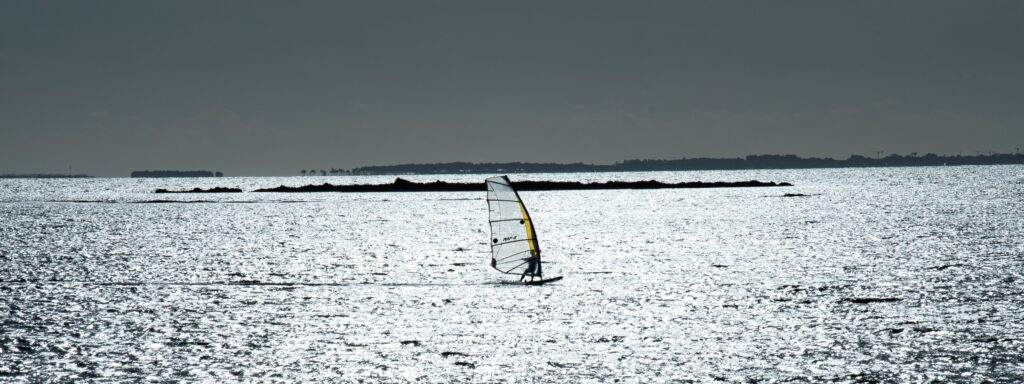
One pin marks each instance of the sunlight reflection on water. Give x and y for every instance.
(903, 274)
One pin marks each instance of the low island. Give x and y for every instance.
(200, 190)
(136, 174)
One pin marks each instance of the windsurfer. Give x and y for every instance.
(532, 267)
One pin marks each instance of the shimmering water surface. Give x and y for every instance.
(880, 274)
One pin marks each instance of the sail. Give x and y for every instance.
(514, 247)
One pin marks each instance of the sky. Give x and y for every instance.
(274, 87)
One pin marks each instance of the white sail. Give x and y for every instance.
(514, 247)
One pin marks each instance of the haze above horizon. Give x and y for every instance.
(252, 88)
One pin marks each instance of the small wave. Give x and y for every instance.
(83, 201)
(869, 300)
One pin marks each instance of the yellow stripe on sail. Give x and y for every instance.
(529, 229)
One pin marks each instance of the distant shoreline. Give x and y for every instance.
(43, 176)
(752, 162)
(403, 185)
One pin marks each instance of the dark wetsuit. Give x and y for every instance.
(532, 267)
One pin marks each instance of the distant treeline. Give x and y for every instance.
(403, 185)
(176, 174)
(42, 176)
(749, 162)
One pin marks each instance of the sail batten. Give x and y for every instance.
(515, 241)
(512, 257)
(511, 220)
(514, 246)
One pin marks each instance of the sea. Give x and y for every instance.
(911, 274)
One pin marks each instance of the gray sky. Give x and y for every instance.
(269, 88)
